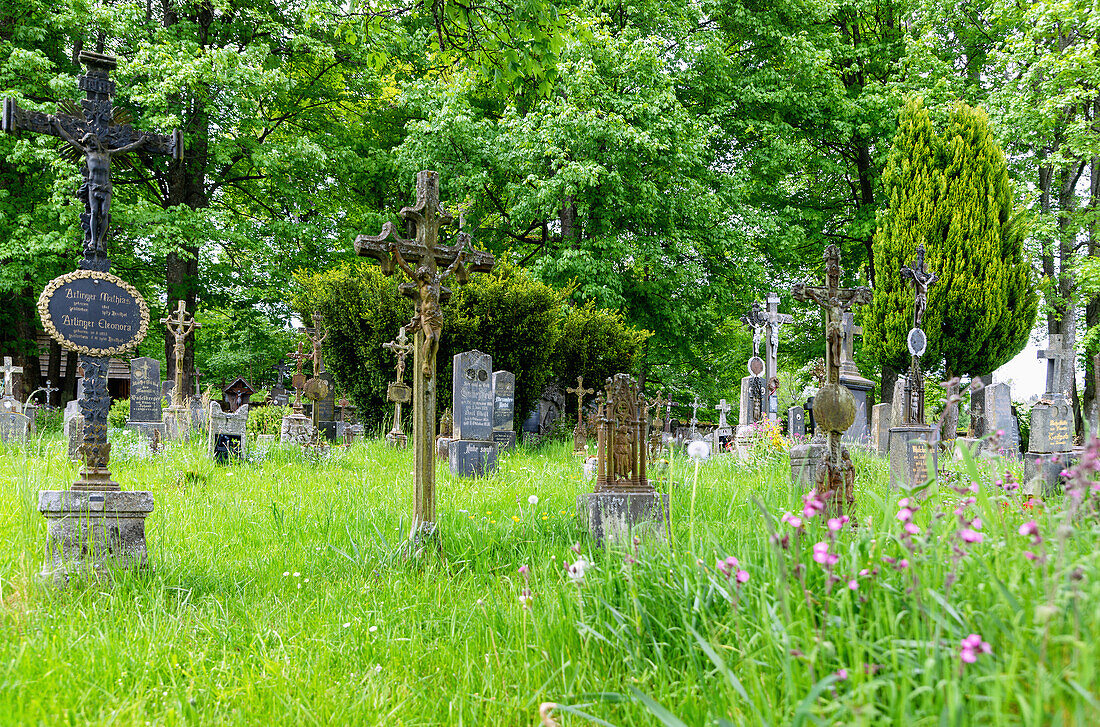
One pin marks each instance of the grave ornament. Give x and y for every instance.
(580, 433)
(398, 392)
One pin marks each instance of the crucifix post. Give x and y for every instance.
(428, 293)
(179, 327)
(97, 137)
(773, 320)
(834, 405)
(1059, 361)
(399, 393)
(9, 372)
(579, 435)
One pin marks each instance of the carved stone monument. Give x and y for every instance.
(504, 410)
(834, 405)
(98, 315)
(1051, 437)
(990, 413)
(724, 433)
(861, 387)
(296, 428)
(238, 394)
(913, 444)
(227, 433)
(428, 293)
(624, 501)
(8, 401)
(145, 391)
(754, 386)
(177, 419)
(472, 451)
(880, 428)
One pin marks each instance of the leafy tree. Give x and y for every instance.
(914, 187)
(595, 343)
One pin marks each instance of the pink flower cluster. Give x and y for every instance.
(823, 557)
(969, 527)
(730, 567)
(812, 505)
(906, 509)
(971, 647)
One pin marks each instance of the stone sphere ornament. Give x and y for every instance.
(834, 408)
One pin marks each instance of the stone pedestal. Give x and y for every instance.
(177, 423)
(621, 515)
(87, 532)
(296, 429)
(1049, 444)
(913, 456)
(1046, 471)
(745, 407)
(472, 457)
(804, 461)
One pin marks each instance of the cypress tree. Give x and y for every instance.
(913, 183)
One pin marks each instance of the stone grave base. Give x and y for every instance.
(914, 456)
(399, 441)
(90, 532)
(147, 428)
(177, 424)
(505, 439)
(472, 457)
(804, 461)
(1043, 472)
(620, 515)
(296, 429)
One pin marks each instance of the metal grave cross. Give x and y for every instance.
(836, 301)
(180, 327)
(97, 132)
(695, 407)
(581, 392)
(755, 320)
(400, 347)
(1058, 360)
(398, 392)
(428, 293)
(9, 372)
(920, 278)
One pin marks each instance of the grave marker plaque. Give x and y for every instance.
(145, 390)
(472, 380)
(504, 409)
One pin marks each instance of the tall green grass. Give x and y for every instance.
(277, 597)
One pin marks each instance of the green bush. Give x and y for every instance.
(120, 413)
(266, 419)
(595, 343)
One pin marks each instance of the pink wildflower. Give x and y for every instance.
(842, 674)
(836, 523)
(793, 520)
(912, 529)
(1031, 529)
(742, 576)
(970, 535)
(971, 646)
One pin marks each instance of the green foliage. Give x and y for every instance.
(951, 193)
(595, 343)
(266, 419)
(240, 341)
(119, 413)
(49, 421)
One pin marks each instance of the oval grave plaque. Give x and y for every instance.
(93, 313)
(756, 365)
(918, 342)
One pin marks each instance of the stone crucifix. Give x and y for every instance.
(723, 409)
(9, 372)
(398, 392)
(773, 319)
(756, 320)
(1059, 361)
(428, 293)
(834, 405)
(695, 407)
(298, 381)
(180, 326)
(579, 435)
(98, 138)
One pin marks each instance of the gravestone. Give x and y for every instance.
(753, 402)
(74, 434)
(861, 387)
(296, 429)
(1052, 426)
(13, 427)
(227, 433)
(724, 433)
(8, 401)
(913, 456)
(146, 410)
(880, 428)
(623, 501)
(504, 409)
(472, 450)
(990, 412)
(327, 421)
(238, 394)
(580, 432)
(796, 422)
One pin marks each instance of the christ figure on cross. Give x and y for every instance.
(429, 314)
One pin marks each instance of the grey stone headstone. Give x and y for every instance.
(166, 388)
(473, 396)
(991, 411)
(897, 404)
(913, 456)
(145, 391)
(74, 434)
(880, 427)
(861, 388)
(72, 409)
(504, 400)
(13, 427)
(326, 408)
(471, 458)
(227, 432)
(796, 421)
(1051, 427)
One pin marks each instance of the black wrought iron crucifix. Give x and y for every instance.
(98, 137)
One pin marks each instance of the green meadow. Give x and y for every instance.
(280, 594)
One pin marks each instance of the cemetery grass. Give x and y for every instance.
(278, 597)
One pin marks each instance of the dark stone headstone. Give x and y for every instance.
(796, 421)
(472, 428)
(145, 391)
(326, 407)
(226, 447)
(1051, 427)
(913, 456)
(990, 412)
(861, 388)
(504, 408)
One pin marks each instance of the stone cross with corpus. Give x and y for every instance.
(428, 293)
(920, 277)
(398, 393)
(180, 327)
(834, 405)
(581, 392)
(723, 409)
(756, 320)
(95, 132)
(9, 372)
(773, 320)
(298, 381)
(1059, 362)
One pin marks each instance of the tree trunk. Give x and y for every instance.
(864, 169)
(1092, 306)
(889, 378)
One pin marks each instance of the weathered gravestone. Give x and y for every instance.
(623, 501)
(13, 427)
(990, 413)
(8, 401)
(504, 409)
(580, 432)
(296, 427)
(398, 391)
(472, 450)
(1052, 427)
(227, 437)
(98, 315)
(178, 328)
(724, 433)
(796, 421)
(861, 387)
(145, 397)
(74, 431)
(880, 428)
